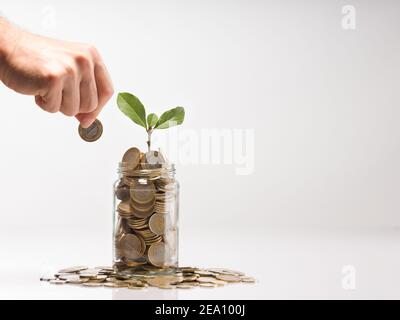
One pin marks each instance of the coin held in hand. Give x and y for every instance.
(92, 133)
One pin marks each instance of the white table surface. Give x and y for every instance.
(289, 263)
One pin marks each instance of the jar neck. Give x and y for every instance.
(147, 171)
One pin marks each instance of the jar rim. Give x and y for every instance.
(147, 170)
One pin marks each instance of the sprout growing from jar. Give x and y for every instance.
(134, 109)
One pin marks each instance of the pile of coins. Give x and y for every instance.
(145, 231)
(182, 278)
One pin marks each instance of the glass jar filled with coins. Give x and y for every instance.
(146, 205)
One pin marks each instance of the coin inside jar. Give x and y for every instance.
(143, 192)
(131, 247)
(157, 223)
(125, 209)
(122, 225)
(122, 192)
(92, 133)
(142, 212)
(158, 254)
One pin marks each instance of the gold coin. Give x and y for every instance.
(90, 271)
(88, 275)
(164, 280)
(73, 269)
(132, 287)
(154, 158)
(58, 281)
(226, 271)
(161, 277)
(115, 285)
(248, 279)
(125, 208)
(143, 206)
(143, 192)
(134, 282)
(187, 269)
(228, 278)
(105, 268)
(163, 207)
(77, 281)
(153, 241)
(219, 282)
(123, 276)
(166, 287)
(69, 277)
(190, 283)
(142, 211)
(92, 284)
(135, 263)
(122, 192)
(143, 243)
(166, 186)
(149, 237)
(131, 158)
(128, 180)
(125, 211)
(206, 280)
(131, 246)
(92, 133)
(190, 278)
(106, 272)
(159, 281)
(157, 223)
(137, 225)
(207, 285)
(185, 286)
(100, 277)
(158, 254)
(204, 273)
(159, 210)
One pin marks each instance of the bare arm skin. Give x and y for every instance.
(65, 77)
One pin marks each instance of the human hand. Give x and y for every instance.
(65, 77)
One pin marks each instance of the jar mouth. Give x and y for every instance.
(147, 170)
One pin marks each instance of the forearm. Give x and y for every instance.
(62, 76)
(4, 24)
(9, 35)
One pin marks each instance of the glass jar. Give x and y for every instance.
(145, 219)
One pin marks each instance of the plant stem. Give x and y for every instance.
(149, 132)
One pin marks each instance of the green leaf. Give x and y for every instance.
(132, 108)
(170, 118)
(152, 120)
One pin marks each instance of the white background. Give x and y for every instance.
(323, 102)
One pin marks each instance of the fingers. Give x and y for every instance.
(88, 95)
(71, 99)
(51, 101)
(75, 83)
(105, 91)
(63, 91)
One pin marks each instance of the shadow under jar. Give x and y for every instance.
(145, 219)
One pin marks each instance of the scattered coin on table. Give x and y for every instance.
(177, 278)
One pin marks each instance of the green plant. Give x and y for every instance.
(135, 110)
